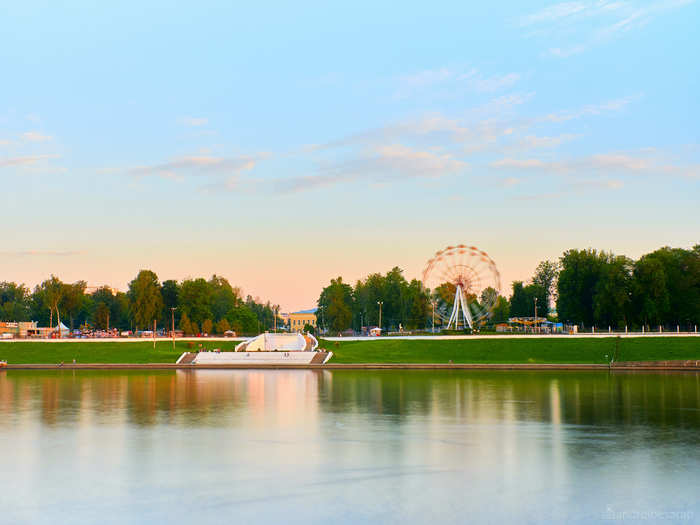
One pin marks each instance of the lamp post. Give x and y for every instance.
(433, 303)
(172, 317)
(536, 327)
(380, 303)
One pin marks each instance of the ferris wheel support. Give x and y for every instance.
(460, 304)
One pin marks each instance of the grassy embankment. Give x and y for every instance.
(31, 352)
(555, 350)
(526, 350)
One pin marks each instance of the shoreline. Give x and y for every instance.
(627, 366)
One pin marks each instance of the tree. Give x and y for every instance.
(501, 312)
(14, 302)
(222, 326)
(650, 295)
(196, 299)
(73, 299)
(546, 276)
(207, 326)
(194, 327)
(611, 302)
(243, 320)
(170, 291)
(185, 324)
(336, 302)
(522, 302)
(309, 328)
(50, 293)
(224, 297)
(579, 273)
(145, 298)
(518, 301)
(102, 316)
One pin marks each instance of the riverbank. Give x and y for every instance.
(542, 350)
(389, 351)
(690, 366)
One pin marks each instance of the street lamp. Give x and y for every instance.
(433, 303)
(380, 303)
(536, 327)
(172, 317)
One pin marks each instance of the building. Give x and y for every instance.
(297, 320)
(24, 329)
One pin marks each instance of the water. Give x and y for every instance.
(224, 446)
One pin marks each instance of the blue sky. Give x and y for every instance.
(282, 144)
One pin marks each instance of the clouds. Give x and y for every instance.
(454, 79)
(194, 121)
(592, 109)
(21, 161)
(580, 25)
(615, 163)
(490, 138)
(35, 136)
(202, 165)
(382, 164)
(39, 253)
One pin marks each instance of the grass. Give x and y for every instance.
(574, 350)
(31, 352)
(554, 350)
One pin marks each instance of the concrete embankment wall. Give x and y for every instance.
(690, 366)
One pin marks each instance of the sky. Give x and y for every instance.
(284, 144)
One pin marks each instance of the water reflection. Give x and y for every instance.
(211, 396)
(409, 446)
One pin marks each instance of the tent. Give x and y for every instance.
(65, 331)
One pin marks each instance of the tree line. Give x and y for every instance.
(583, 287)
(200, 305)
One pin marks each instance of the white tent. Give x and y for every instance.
(65, 331)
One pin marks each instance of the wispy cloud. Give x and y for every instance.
(35, 136)
(591, 22)
(19, 161)
(194, 121)
(198, 165)
(39, 253)
(471, 79)
(604, 163)
(591, 109)
(394, 163)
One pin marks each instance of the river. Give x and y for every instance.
(303, 446)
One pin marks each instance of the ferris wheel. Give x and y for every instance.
(466, 272)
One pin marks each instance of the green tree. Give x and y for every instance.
(336, 302)
(102, 316)
(14, 302)
(170, 291)
(579, 273)
(49, 294)
(73, 300)
(185, 324)
(224, 297)
(146, 299)
(196, 299)
(222, 326)
(611, 302)
(519, 301)
(243, 320)
(207, 326)
(545, 276)
(501, 311)
(650, 295)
